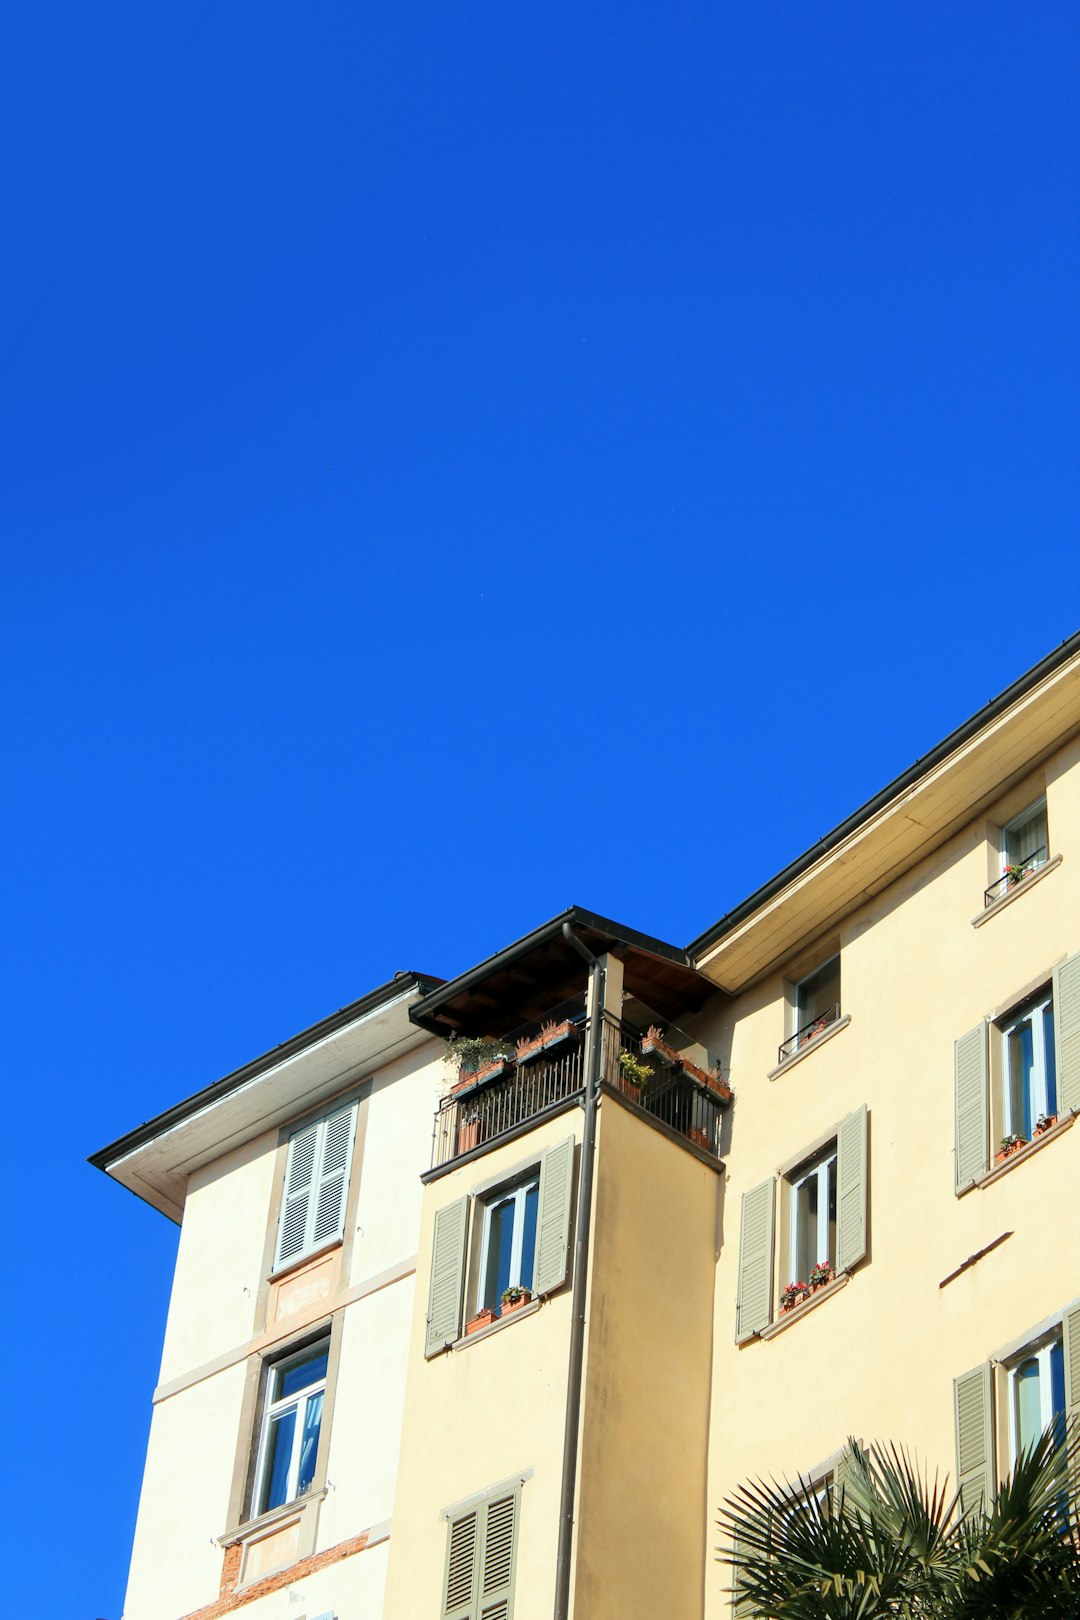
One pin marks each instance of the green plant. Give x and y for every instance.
(511, 1295)
(821, 1274)
(634, 1071)
(882, 1542)
(468, 1053)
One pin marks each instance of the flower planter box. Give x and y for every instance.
(699, 1137)
(512, 1305)
(482, 1319)
(1007, 1152)
(490, 1071)
(1044, 1125)
(654, 1043)
(550, 1037)
(468, 1136)
(792, 1303)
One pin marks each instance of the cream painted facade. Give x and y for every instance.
(431, 1432)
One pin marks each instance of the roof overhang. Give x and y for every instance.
(907, 821)
(527, 980)
(155, 1160)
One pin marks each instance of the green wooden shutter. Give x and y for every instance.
(447, 1276)
(1070, 1334)
(851, 1182)
(754, 1309)
(553, 1217)
(1067, 1034)
(974, 1412)
(972, 1107)
(462, 1564)
(845, 1467)
(498, 1557)
(336, 1140)
(296, 1205)
(741, 1605)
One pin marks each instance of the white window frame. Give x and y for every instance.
(1036, 808)
(819, 1168)
(1039, 1350)
(516, 1195)
(1035, 1011)
(273, 1409)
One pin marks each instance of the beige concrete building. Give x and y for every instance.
(493, 1338)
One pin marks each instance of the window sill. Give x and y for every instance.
(1025, 886)
(270, 1519)
(810, 1046)
(496, 1326)
(791, 1317)
(305, 1260)
(1002, 1169)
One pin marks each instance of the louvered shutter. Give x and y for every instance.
(336, 1140)
(462, 1558)
(497, 1559)
(754, 1310)
(972, 1107)
(1070, 1334)
(1067, 1034)
(553, 1217)
(974, 1413)
(296, 1205)
(447, 1276)
(851, 1182)
(846, 1466)
(741, 1605)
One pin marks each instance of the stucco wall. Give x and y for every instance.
(478, 1415)
(878, 1358)
(641, 1510)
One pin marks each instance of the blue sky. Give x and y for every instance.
(457, 463)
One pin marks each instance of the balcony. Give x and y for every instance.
(649, 1072)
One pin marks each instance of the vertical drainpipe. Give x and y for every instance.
(581, 1270)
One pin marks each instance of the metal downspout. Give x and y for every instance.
(581, 1270)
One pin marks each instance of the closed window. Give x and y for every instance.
(1025, 840)
(1014, 1077)
(291, 1426)
(813, 1216)
(1029, 1071)
(1036, 1395)
(508, 1246)
(481, 1554)
(317, 1167)
(826, 1233)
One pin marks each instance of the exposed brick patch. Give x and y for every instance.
(231, 1599)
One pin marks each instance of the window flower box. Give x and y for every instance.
(794, 1295)
(1009, 1146)
(821, 1276)
(512, 1299)
(490, 1071)
(482, 1319)
(1044, 1123)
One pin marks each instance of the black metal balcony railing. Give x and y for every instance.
(814, 1026)
(472, 1118)
(1015, 873)
(669, 1093)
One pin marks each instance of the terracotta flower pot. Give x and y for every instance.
(482, 1319)
(512, 1305)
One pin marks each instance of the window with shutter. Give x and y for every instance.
(481, 1555)
(755, 1261)
(974, 1419)
(317, 1168)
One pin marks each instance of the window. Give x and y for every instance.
(481, 1553)
(812, 1239)
(508, 1247)
(827, 1214)
(1036, 1395)
(1014, 1076)
(317, 1168)
(1003, 1406)
(816, 1005)
(1025, 840)
(513, 1235)
(1029, 1074)
(291, 1425)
